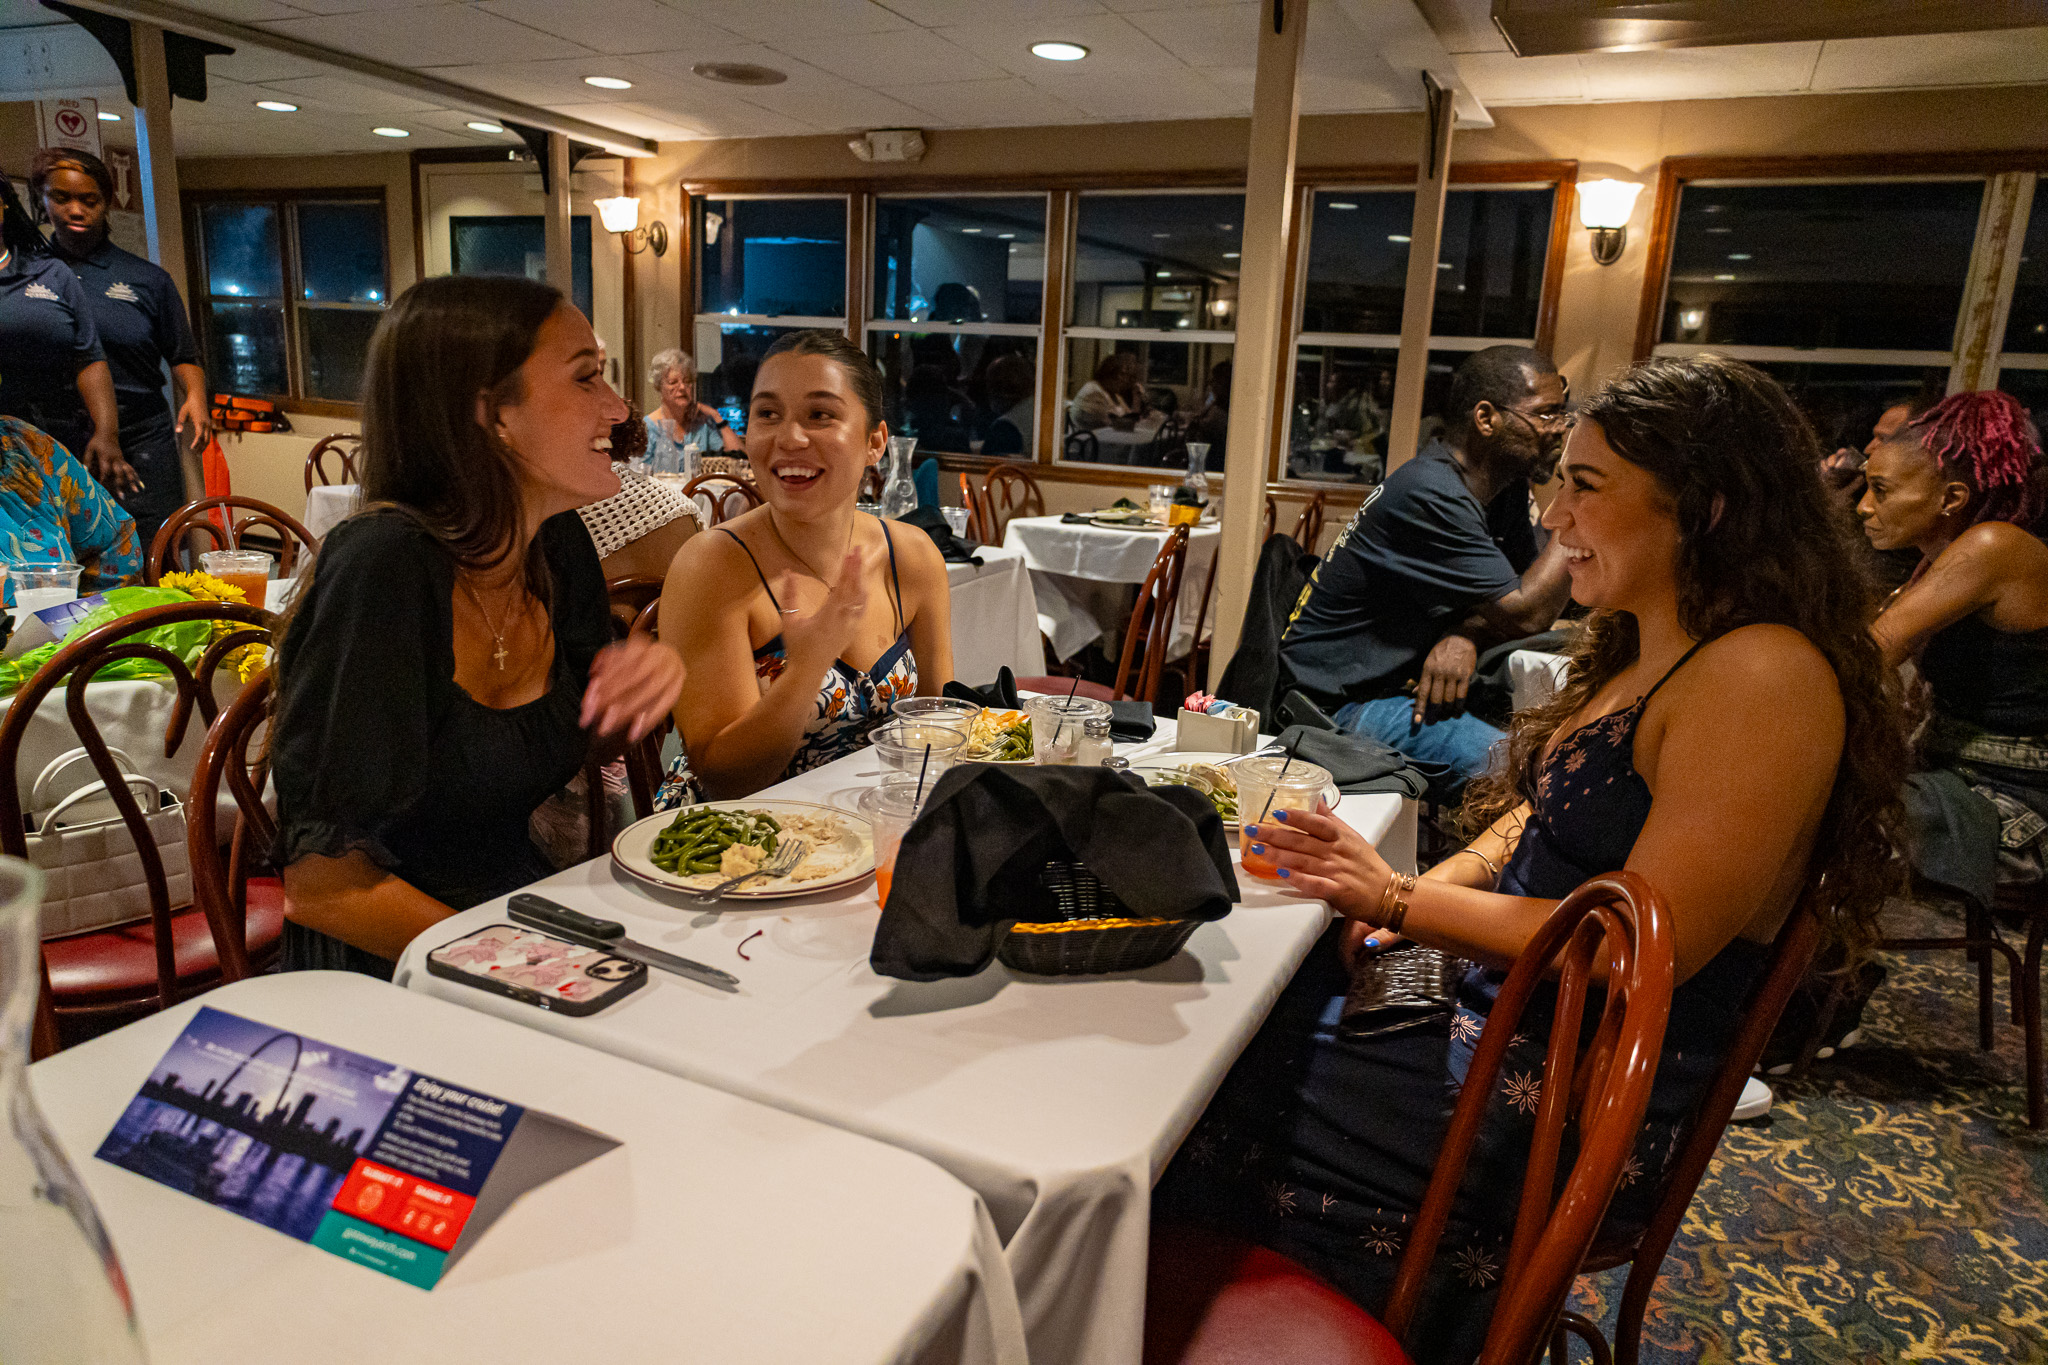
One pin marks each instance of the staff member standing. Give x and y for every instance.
(56, 376)
(142, 326)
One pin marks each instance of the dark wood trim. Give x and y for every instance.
(686, 262)
(1389, 173)
(302, 194)
(629, 305)
(419, 221)
(1562, 212)
(1345, 496)
(1663, 224)
(859, 248)
(459, 156)
(1279, 418)
(1050, 438)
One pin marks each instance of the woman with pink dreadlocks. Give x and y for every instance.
(1963, 484)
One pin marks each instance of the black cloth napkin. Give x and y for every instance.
(1360, 763)
(971, 864)
(1002, 692)
(932, 522)
(1132, 721)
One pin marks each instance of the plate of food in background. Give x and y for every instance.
(697, 847)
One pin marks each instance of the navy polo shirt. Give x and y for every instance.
(142, 325)
(46, 337)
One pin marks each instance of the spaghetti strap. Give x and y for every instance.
(757, 570)
(1683, 660)
(896, 581)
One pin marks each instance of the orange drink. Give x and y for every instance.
(1265, 785)
(890, 810)
(248, 570)
(1257, 864)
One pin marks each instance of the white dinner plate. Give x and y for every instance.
(856, 843)
(1187, 758)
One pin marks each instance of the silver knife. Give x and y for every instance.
(610, 935)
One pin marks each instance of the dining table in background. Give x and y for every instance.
(1123, 446)
(717, 1230)
(995, 617)
(1085, 578)
(1534, 676)
(1059, 1100)
(328, 504)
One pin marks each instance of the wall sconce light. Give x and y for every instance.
(622, 215)
(1604, 209)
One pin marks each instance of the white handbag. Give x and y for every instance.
(92, 870)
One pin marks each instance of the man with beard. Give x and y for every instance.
(1442, 560)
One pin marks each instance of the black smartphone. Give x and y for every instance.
(538, 969)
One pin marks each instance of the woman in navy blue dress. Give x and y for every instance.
(1725, 730)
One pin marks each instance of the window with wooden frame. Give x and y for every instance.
(1859, 282)
(2023, 350)
(1498, 270)
(767, 265)
(291, 286)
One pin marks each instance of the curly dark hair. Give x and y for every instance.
(1759, 541)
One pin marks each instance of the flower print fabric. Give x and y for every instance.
(53, 512)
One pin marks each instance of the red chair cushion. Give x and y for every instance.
(1213, 1300)
(1058, 687)
(118, 966)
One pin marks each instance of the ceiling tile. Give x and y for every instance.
(614, 26)
(251, 11)
(1175, 94)
(1691, 73)
(1214, 35)
(343, 95)
(829, 104)
(363, 6)
(1006, 103)
(793, 18)
(248, 63)
(1998, 57)
(1116, 48)
(910, 57)
(943, 13)
(1503, 78)
(441, 36)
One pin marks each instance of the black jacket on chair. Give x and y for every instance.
(1256, 677)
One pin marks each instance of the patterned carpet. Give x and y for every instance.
(1893, 1207)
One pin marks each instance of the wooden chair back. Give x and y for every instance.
(1010, 490)
(636, 610)
(199, 518)
(1152, 621)
(1272, 519)
(1618, 921)
(725, 495)
(347, 451)
(1081, 447)
(977, 525)
(220, 888)
(1309, 529)
(74, 665)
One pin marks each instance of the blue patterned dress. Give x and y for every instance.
(53, 512)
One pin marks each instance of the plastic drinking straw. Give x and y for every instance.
(1063, 714)
(1276, 785)
(918, 799)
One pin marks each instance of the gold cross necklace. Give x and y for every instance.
(498, 653)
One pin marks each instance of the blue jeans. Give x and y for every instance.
(1464, 743)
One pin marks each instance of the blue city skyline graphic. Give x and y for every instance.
(257, 1120)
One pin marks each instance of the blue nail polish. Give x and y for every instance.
(1372, 943)
(1258, 848)
(1283, 871)
(1280, 815)
(1253, 831)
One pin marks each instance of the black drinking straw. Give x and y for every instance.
(918, 799)
(1276, 785)
(1054, 741)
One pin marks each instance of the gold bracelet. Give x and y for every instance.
(1491, 866)
(1393, 907)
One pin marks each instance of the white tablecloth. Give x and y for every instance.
(1059, 1101)
(131, 717)
(327, 504)
(719, 1231)
(1533, 676)
(995, 617)
(1082, 576)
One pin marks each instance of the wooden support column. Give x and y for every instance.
(555, 226)
(1262, 308)
(1994, 267)
(1418, 305)
(156, 158)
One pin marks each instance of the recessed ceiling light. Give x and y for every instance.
(106, 117)
(1162, 235)
(608, 82)
(1006, 236)
(1398, 237)
(1343, 206)
(1230, 255)
(391, 132)
(1738, 255)
(1162, 274)
(970, 229)
(277, 106)
(1226, 227)
(1059, 52)
(739, 73)
(482, 127)
(1724, 277)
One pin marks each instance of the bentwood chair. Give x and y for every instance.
(225, 889)
(1010, 490)
(174, 947)
(727, 495)
(1146, 636)
(1212, 1301)
(347, 450)
(205, 517)
(636, 610)
(1272, 519)
(1309, 529)
(977, 526)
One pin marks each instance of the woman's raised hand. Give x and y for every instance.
(815, 640)
(1321, 856)
(633, 684)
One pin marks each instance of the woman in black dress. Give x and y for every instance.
(1724, 730)
(450, 665)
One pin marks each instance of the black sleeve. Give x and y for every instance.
(354, 714)
(582, 609)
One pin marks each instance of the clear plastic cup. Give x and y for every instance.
(948, 711)
(1265, 785)
(43, 585)
(1161, 497)
(1059, 727)
(890, 809)
(902, 745)
(956, 519)
(248, 570)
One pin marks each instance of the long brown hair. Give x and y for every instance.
(1759, 540)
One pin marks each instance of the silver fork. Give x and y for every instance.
(787, 855)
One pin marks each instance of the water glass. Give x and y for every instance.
(1265, 785)
(43, 585)
(1160, 496)
(947, 711)
(1059, 727)
(956, 519)
(903, 744)
(248, 570)
(890, 810)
